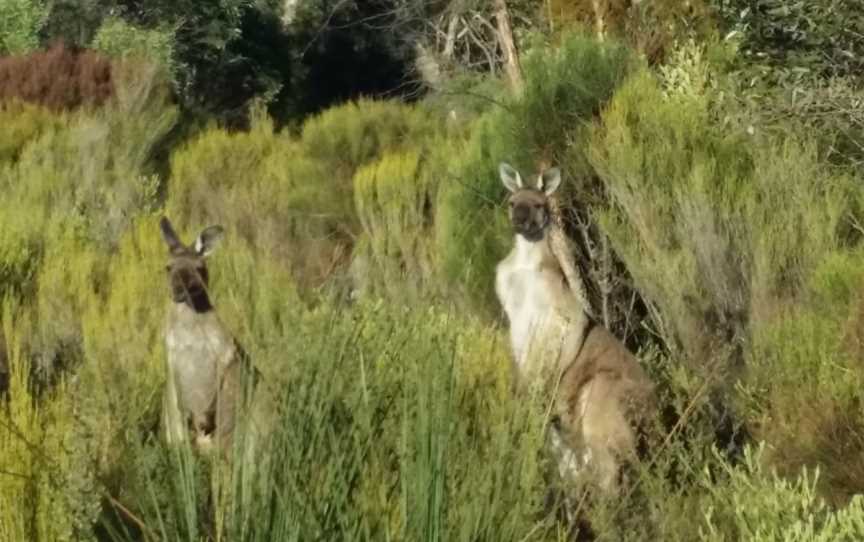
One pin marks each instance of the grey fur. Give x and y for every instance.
(208, 376)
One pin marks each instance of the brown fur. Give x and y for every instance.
(602, 395)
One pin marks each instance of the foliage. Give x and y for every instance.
(60, 78)
(728, 274)
(565, 87)
(799, 69)
(294, 193)
(734, 263)
(350, 49)
(394, 202)
(652, 28)
(799, 39)
(22, 123)
(813, 353)
(20, 23)
(47, 489)
(716, 239)
(119, 39)
(758, 505)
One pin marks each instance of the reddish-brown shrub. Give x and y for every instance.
(60, 78)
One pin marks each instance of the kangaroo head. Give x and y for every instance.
(187, 266)
(529, 205)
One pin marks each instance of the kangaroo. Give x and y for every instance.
(207, 369)
(601, 393)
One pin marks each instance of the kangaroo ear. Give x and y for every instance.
(549, 181)
(208, 240)
(510, 177)
(168, 234)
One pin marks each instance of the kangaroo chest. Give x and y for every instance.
(537, 330)
(199, 349)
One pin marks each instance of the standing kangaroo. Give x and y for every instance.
(207, 369)
(601, 392)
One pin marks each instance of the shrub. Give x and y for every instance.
(799, 40)
(803, 380)
(357, 133)
(752, 504)
(119, 39)
(546, 125)
(20, 23)
(294, 194)
(47, 490)
(59, 78)
(375, 395)
(259, 185)
(724, 248)
(90, 169)
(726, 259)
(394, 203)
(22, 123)
(651, 29)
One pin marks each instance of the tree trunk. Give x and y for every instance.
(599, 19)
(450, 43)
(508, 46)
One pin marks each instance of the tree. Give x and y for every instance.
(20, 24)
(346, 48)
(507, 45)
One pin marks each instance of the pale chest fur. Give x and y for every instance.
(199, 348)
(545, 321)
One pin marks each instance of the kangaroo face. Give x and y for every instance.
(529, 213)
(529, 205)
(187, 267)
(187, 276)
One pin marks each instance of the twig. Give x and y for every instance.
(679, 424)
(15, 474)
(130, 516)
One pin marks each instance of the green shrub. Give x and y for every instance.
(368, 442)
(564, 89)
(394, 203)
(347, 137)
(752, 504)
(119, 39)
(22, 123)
(20, 23)
(652, 29)
(350, 135)
(90, 170)
(804, 377)
(293, 194)
(724, 233)
(799, 40)
(258, 184)
(47, 490)
(701, 244)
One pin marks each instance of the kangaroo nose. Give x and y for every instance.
(521, 215)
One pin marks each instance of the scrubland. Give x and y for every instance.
(722, 244)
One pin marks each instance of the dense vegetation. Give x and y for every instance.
(712, 189)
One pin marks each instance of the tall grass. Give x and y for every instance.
(390, 413)
(369, 440)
